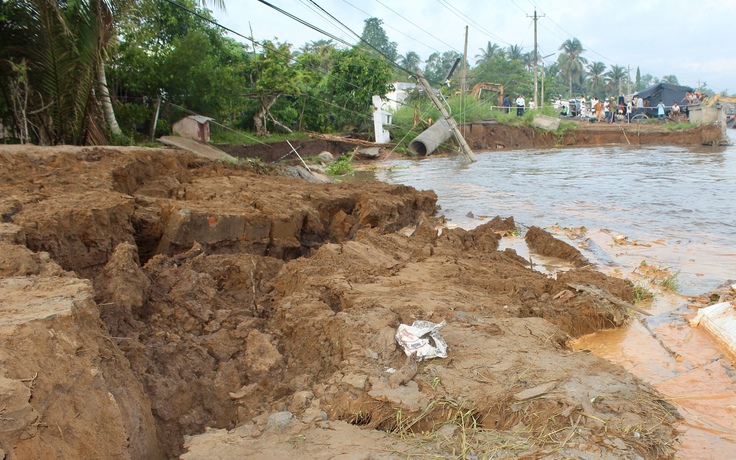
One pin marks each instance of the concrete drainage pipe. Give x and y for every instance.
(426, 142)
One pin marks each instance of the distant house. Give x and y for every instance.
(194, 127)
(398, 95)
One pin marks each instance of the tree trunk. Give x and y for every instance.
(107, 109)
(570, 84)
(260, 116)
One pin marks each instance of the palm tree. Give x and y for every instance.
(488, 53)
(671, 79)
(571, 61)
(527, 60)
(66, 45)
(410, 61)
(514, 52)
(616, 77)
(595, 75)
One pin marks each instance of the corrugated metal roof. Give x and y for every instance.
(200, 118)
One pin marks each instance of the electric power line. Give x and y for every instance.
(274, 50)
(418, 27)
(462, 16)
(317, 29)
(395, 29)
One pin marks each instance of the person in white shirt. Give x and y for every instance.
(532, 105)
(520, 104)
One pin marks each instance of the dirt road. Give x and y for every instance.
(154, 304)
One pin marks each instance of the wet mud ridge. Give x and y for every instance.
(154, 305)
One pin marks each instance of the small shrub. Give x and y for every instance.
(680, 126)
(120, 139)
(671, 282)
(340, 167)
(642, 293)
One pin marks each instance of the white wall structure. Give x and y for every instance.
(398, 95)
(380, 118)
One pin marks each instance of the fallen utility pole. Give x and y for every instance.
(464, 147)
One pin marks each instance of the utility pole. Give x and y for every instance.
(536, 103)
(628, 81)
(465, 65)
(464, 147)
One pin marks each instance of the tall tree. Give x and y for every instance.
(410, 61)
(671, 79)
(571, 61)
(271, 76)
(648, 80)
(67, 45)
(437, 65)
(595, 76)
(376, 37)
(487, 53)
(638, 85)
(615, 78)
(514, 52)
(511, 73)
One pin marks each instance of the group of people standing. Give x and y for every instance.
(604, 109)
(608, 109)
(520, 105)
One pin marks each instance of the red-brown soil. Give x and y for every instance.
(147, 297)
(492, 136)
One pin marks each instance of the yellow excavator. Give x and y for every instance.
(730, 117)
(719, 98)
(485, 86)
(477, 91)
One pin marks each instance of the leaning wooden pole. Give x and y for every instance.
(464, 147)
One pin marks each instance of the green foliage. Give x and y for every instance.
(120, 139)
(615, 79)
(511, 73)
(64, 44)
(376, 39)
(340, 167)
(236, 137)
(438, 65)
(642, 293)
(153, 49)
(134, 118)
(571, 62)
(671, 282)
(680, 126)
(195, 76)
(343, 98)
(162, 128)
(474, 111)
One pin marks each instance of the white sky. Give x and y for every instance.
(694, 40)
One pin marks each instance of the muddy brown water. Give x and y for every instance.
(668, 207)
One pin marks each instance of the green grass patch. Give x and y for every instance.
(220, 135)
(680, 126)
(464, 110)
(671, 282)
(340, 167)
(642, 293)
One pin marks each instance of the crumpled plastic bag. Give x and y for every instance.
(422, 338)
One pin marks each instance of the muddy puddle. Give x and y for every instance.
(647, 214)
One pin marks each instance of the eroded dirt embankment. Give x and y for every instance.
(148, 295)
(494, 136)
(490, 136)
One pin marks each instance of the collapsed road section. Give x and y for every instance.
(158, 305)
